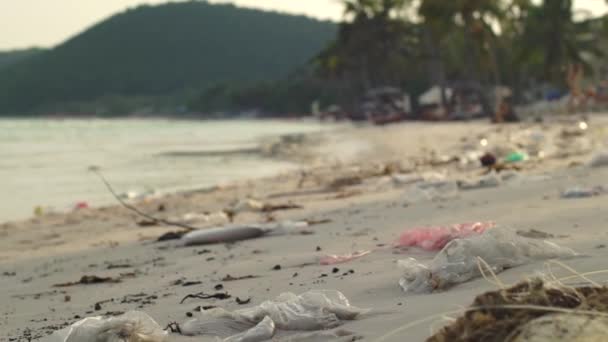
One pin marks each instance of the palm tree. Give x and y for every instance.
(552, 40)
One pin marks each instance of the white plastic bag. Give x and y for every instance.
(310, 311)
(457, 262)
(134, 326)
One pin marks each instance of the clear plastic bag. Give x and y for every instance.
(134, 326)
(457, 262)
(310, 311)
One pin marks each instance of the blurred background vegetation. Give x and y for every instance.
(195, 58)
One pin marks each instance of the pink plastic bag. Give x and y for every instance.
(340, 259)
(435, 238)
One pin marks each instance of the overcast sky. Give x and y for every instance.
(25, 23)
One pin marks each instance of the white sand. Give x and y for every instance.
(62, 248)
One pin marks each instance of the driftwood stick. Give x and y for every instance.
(136, 210)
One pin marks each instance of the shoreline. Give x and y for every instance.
(363, 202)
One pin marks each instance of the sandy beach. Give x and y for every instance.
(355, 190)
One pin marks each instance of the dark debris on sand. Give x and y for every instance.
(489, 320)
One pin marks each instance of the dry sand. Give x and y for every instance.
(61, 248)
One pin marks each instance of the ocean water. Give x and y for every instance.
(45, 162)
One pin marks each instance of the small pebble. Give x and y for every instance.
(277, 267)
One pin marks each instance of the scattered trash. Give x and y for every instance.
(202, 295)
(240, 301)
(171, 236)
(221, 235)
(580, 192)
(38, 211)
(491, 180)
(488, 160)
(516, 157)
(310, 311)
(133, 326)
(81, 205)
(89, 280)
(600, 159)
(231, 233)
(340, 259)
(147, 223)
(459, 260)
(532, 312)
(435, 238)
(231, 278)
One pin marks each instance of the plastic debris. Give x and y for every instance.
(435, 238)
(491, 180)
(487, 159)
(81, 205)
(458, 261)
(133, 326)
(333, 259)
(221, 235)
(310, 311)
(600, 159)
(516, 157)
(580, 192)
(232, 233)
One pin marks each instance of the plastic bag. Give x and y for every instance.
(580, 192)
(435, 238)
(457, 262)
(264, 331)
(221, 235)
(310, 311)
(134, 326)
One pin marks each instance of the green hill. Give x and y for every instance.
(163, 50)
(11, 57)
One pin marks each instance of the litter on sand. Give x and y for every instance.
(533, 312)
(133, 326)
(232, 233)
(314, 310)
(581, 192)
(460, 260)
(333, 259)
(435, 238)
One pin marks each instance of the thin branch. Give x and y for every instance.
(134, 209)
